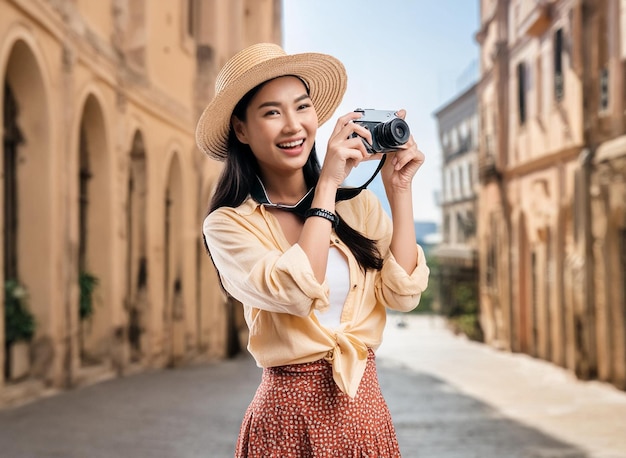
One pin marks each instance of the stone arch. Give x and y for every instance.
(94, 228)
(28, 199)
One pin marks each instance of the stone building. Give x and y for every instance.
(601, 237)
(552, 222)
(457, 255)
(104, 189)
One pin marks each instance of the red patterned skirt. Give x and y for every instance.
(298, 411)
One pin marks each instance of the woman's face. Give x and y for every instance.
(280, 125)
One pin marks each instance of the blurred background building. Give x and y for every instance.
(552, 196)
(104, 190)
(456, 254)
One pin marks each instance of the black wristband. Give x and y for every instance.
(322, 213)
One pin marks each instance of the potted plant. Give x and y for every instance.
(19, 328)
(87, 283)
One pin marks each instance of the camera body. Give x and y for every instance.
(388, 131)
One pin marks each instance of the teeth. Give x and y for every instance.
(291, 144)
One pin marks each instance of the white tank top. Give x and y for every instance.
(338, 280)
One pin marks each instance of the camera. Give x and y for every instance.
(388, 131)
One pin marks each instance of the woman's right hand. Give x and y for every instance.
(345, 151)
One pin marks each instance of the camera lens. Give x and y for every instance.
(393, 133)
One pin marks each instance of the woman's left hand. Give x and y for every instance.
(402, 165)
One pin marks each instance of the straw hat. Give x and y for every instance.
(324, 74)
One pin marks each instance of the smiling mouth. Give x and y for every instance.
(292, 144)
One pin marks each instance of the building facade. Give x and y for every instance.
(457, 254)
(104, 190)
(551, 205)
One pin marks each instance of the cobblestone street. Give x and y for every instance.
(448, 397)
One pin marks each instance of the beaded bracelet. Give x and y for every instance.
(322, 213)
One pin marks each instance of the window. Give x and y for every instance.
(604, 89)
(491, 271)
(559, 88)
(452, 184)
(460, 232)
(463, 130)
(539, 86)
(191, 18)
(521, 92)
(474, 132)
(135, 34)
(454, 140)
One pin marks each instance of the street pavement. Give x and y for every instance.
(495, 403)
(449, 398)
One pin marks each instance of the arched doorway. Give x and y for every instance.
(524, 314)
(94, 239)
(220, 317)
(19, 324)
(137, 304)
(27, 203)
(174, 311)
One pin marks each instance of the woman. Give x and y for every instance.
(315, 276)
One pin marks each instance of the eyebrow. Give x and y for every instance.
(273, 104)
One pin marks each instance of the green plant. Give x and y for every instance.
(19, 322)
(467, 324)
(87, 283)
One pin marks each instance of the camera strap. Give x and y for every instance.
(259, 194)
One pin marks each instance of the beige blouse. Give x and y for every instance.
(279, 292)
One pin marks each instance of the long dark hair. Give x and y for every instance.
(241, 169)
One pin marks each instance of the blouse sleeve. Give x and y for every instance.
(258, 274)
(395, 288)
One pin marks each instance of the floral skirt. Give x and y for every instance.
(298, 411)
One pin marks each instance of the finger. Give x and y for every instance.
(356, 143)
(373, 156)
(358, 129)
(401, 113)
(403, 160)
(345, 120)
(352, 130)
(409, 153)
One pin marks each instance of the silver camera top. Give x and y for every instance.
(371, 115)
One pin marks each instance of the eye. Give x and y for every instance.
(304, 106)
(271, 113)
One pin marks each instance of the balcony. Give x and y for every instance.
(488, 169)
(462, 256)
(538, 19)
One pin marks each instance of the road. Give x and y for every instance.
(449, 397)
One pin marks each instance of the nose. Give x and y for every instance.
(292, 122)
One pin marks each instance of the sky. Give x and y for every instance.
(412, 54)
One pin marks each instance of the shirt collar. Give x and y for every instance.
(259, 194)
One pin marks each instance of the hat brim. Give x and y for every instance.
(325, 76)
